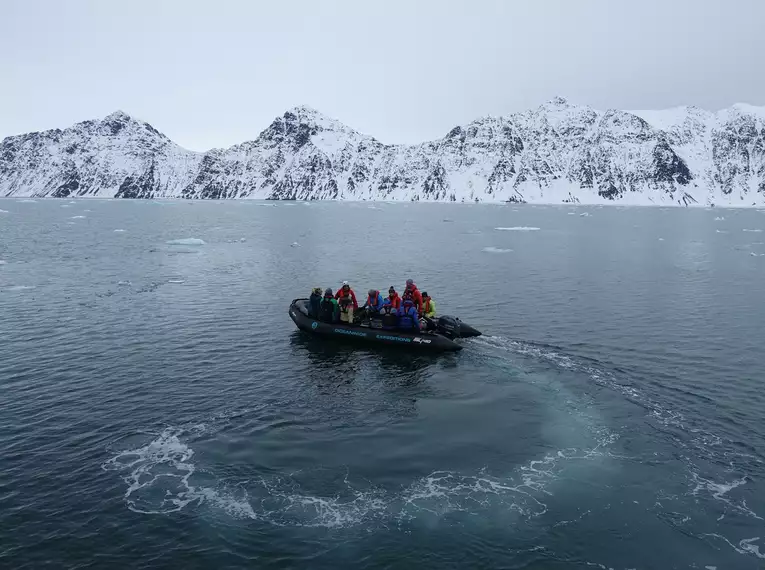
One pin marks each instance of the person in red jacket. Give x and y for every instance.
(412, 291)
(395, 300)
(348, 303)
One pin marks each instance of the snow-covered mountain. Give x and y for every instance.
(556, 153)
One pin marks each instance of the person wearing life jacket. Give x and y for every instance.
(348, 304)
(389, 314)
(428, 306)
(329, 311)
(393, 298)
(373, 303)
(314, 303)
(407, 315)
(411, 288)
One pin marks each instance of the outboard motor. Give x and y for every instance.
(448, 326)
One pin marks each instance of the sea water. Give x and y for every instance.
(159, 408)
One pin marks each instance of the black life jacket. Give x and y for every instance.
(326, 309)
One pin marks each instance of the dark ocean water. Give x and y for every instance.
(160, 410)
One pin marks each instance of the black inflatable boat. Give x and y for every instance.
(441, 340)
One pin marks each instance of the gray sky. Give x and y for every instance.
(216, 72)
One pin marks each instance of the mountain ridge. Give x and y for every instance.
(558, 152)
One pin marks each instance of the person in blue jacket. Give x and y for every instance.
(408, 318)
(374, 303)
(389, 315)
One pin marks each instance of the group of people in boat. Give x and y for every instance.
(413, 310)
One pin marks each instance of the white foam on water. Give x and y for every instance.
(719, 491)
(710, 567)
(518, 229)
(186, 241)
(162, 477)
(177, 281)
(496, 250)
(745, 546)
(78, 217)
(753, 231)
(118, 231)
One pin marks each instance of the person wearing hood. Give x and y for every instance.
(314, 303)
(329, 310)
(348, 303)
(412, 292)
(407, 315)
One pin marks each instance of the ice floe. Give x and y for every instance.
(585, 214)
(27, 201)
(719, 219)
(518, 229)
(753, 231)
(21, 287)
(294, 244)
(119, 231)
(186, 241)
(4, 212)
(176, 281)
(492, 249)
(124, 283)
(78, 217)
(3, 262)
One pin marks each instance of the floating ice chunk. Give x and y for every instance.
(756, 254)
(119, 231)
(571, 213)
(754, 231)
(27, 201)
(186, 241)
(585, 214)
(176, 281)
(87, 210)
(72, 202)
(294, 244)
(496, 250)
(242, 240)
(719, 218)
(3, 262)
(21, 287)
(518, 229)
(661, 239)
(124, 283)
(721, 231)
(447, 220)
(4, 212)
(373, 208)
(65, 206)
(78, 217)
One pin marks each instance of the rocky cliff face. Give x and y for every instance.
(556, 153)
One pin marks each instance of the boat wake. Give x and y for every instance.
(716, 469)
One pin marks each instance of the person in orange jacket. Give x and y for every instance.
(412, 291)
(393, 299)
(348, 303)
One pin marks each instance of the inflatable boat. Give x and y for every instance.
(442, 339)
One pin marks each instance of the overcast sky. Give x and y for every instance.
(216, 72)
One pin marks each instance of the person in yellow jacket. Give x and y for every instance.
(428, 306)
